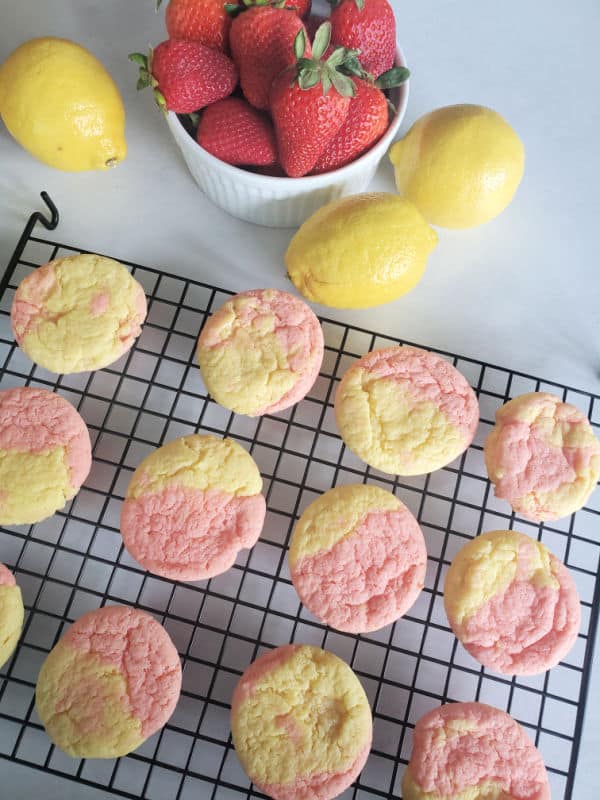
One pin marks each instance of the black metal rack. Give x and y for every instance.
(75, 560)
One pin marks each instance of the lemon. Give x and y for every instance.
(460, 165)
(360, 251)
(61, 105)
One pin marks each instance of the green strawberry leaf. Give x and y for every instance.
(352, 66)
(343, 84)
(158, 5)
(360, 4)
(321, 40)
(393, 77)
(338, 57)
(139, 58)
(300, 43)
(308, 78)
(326, 82)
(144, 80)
(232, 9)
(194, 118)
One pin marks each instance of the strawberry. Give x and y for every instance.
(205, 21)
(301, 7)
(367, 120)
(237, 133)
(262, 45)
(309, 103)
(369, 27)
(186, 76)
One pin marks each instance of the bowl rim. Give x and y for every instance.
(306, 181)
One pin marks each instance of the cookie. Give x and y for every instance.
(261, 352)
(512, 603)
(11, 614)
(191, 506)
(357, 558)
(112, 681)
(405, 411)
(45, 454)
(542, 456)
(78, 313)
(475, 752)
(301, 723)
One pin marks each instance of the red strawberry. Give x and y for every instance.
(262, 45)
(309, 103)
(367, 121)
(301, 7)
(369, 27)
(237, 133)
(186, 76)
(205, 21)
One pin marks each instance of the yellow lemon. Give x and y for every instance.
(360, 251)
(460, 165)
(61, 105)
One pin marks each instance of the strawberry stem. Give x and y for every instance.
(311, 71)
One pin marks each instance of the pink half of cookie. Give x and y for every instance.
(542, 456)
(6, 577)
(426, 377)
(35, 420)
(185, 533)
(462, 746)
(369, 578)
(25, 313)
(527, 628)
(141, 649)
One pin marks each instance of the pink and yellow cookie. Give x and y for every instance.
(542, 456)
(45, 454)
(301, 724)
(112, 681)
(512, 603)
(471, 751)
(261, 352)
(405, 411)
(191, 506)
(11, 614)
(78, 313)
(358, 558)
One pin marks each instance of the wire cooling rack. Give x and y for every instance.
(75, 562)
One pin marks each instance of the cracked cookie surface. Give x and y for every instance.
(301, 723)
(261, 352)
(512, 603)
(542, 456)
(112, 681)
(78, 313)
(405, 411)
(191, 506)
(472, 751)
(357, 558)
(11, 614)
(45, 454)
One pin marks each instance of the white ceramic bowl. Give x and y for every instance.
(282, 202)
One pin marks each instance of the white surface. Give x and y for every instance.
(281, 202)
(522, 291)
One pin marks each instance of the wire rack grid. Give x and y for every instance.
(75, 561)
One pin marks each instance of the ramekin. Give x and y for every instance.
(282, 202)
